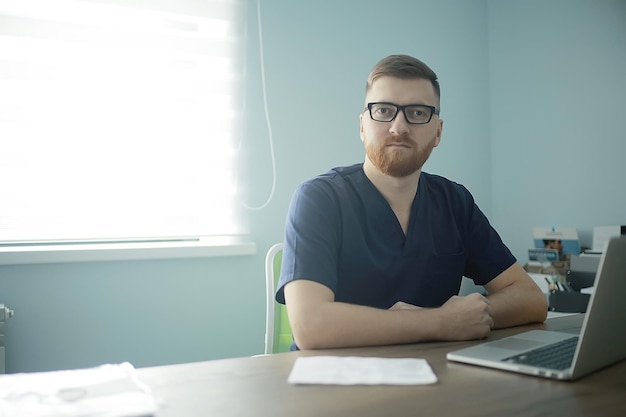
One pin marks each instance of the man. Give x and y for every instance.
(374, 253)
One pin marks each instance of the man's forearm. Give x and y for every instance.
(345, 325)
(518, 304)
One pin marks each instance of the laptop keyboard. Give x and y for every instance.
(555, 356)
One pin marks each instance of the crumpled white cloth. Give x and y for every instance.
(352, 370)
(104, 391)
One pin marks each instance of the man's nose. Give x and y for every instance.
(399, 125)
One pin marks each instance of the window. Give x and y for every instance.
(119, 119)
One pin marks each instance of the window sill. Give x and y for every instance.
(58, 252)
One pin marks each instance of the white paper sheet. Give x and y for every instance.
(351, 370)
(104, 391)
(602, 235)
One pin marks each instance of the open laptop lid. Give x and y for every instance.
(603, 339)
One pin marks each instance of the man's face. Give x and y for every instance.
(397, 148)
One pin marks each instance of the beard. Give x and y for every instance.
(400, 162)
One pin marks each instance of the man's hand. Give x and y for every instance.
(462, 318)
(401, 305)
(465, 318)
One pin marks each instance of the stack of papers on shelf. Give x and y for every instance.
(602, 235)
(104, 391)
(352, 370)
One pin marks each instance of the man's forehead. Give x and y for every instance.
(408, 90)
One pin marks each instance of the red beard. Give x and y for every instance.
(398, 162)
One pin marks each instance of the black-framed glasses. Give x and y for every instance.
(416, 114)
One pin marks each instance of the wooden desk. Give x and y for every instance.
(257, 386)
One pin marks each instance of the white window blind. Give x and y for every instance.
(119, 119)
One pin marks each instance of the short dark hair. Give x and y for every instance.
(403, 66)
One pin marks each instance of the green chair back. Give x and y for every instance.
(282, 329)
(278, 337)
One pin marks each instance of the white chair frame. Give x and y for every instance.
(270, 308)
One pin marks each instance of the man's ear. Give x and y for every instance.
(439, 131)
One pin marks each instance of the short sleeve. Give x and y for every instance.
(312, 236)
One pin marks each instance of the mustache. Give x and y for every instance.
(403, 139)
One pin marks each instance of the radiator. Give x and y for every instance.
(5, 314)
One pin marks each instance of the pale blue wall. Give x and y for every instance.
(317, 56)
(558, 96)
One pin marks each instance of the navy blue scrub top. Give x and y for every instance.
(342, 233)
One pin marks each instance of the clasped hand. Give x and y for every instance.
(461, 317)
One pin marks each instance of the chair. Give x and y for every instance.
(278, 336)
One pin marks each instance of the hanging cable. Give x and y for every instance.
(267, 116)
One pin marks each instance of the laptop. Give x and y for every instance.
(600, 343)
